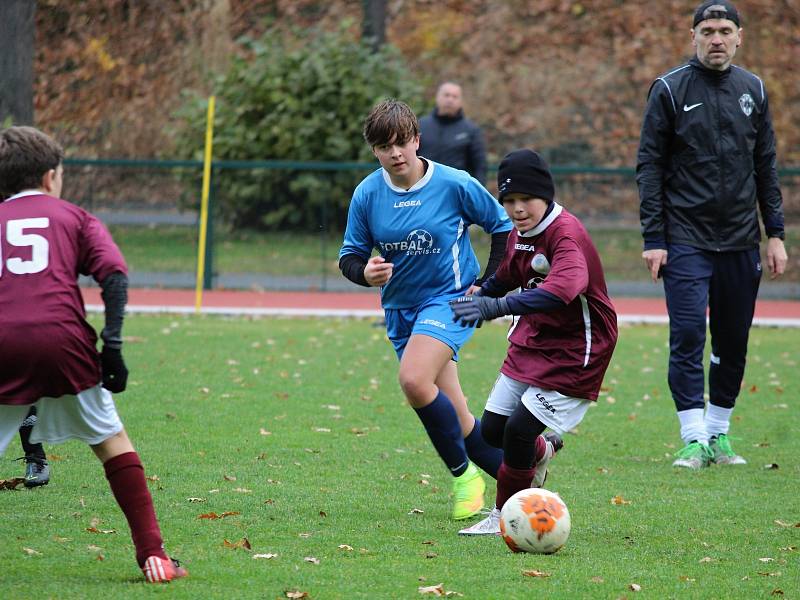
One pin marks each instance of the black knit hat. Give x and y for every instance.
(525, 172)
(716, 9)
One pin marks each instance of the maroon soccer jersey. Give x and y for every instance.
(568, 349)
(46, 346)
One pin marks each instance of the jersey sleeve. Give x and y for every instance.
(99, 256)
(357, 236)
(569, 274)
(482, 209)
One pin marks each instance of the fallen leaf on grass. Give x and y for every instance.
(431, 555)
(535, 573)
(263, 431)
(311, 559)
(60, 539)
(437, 590)
(213, 515)
(242, 490)
(268, 555)
(777, 592)
(705, 559)
(687, 579)
(31, 552)
(619, 500)
(767, 574)
(11, 484)
(416, 511)
(94, 529)
(196, 499)
(345, 547)
(785, 524)
(788, 548)
(766, 559)
(296, 594)
(229, 477)
(634, 587)
(152, 478)
(596, 579)
(242, 543)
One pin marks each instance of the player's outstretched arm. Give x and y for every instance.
(115, 297)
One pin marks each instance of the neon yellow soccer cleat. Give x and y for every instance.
(468, 491)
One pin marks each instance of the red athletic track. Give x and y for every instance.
(653, 307)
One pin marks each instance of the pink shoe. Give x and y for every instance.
(160, 570)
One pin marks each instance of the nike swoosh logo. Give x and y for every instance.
(688, 108)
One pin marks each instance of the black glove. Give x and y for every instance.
(115, 373)
(471, 310)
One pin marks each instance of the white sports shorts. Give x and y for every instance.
(90, 416)
(559, 412)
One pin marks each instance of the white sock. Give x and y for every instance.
(693, 428)
(718, 419)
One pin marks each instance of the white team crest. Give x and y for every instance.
(540, 264)
(747, 103)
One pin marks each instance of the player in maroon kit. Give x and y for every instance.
(562, 336)
(47, 348)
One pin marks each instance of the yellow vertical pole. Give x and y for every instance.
(201, 247)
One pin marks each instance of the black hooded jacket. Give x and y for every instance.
(706, 160)
(453, 141)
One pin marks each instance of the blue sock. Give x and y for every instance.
(482, 454)
(441, 422)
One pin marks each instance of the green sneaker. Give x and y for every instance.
(693, 456)
(722, 453)
(468, 491)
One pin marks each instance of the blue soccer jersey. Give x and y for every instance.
(423, 231)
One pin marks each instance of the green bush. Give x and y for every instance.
(288, 97)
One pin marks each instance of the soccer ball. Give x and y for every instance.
(535, 520)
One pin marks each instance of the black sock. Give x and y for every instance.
(31, 450)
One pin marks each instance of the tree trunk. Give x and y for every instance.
(17, 28)
(374, 30)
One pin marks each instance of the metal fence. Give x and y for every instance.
(151, 207)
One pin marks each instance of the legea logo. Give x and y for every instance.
(407, 203)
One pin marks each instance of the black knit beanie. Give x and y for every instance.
(525, 172)
(716, 9)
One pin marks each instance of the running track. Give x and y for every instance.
(775, 313)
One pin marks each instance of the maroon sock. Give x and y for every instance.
(510, 481)
(125, 475)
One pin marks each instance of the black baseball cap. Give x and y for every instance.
(716, 9)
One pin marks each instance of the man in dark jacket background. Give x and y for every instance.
(448, 137)
(706, 166)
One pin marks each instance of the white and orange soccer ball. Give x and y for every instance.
(535, 520)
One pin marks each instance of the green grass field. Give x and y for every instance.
(297, 429)
(174, 249)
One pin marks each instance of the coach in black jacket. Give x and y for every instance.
(706, 165)
(448, 137)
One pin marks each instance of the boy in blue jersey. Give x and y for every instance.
(416, 213)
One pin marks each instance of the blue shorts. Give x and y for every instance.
(432, 318)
